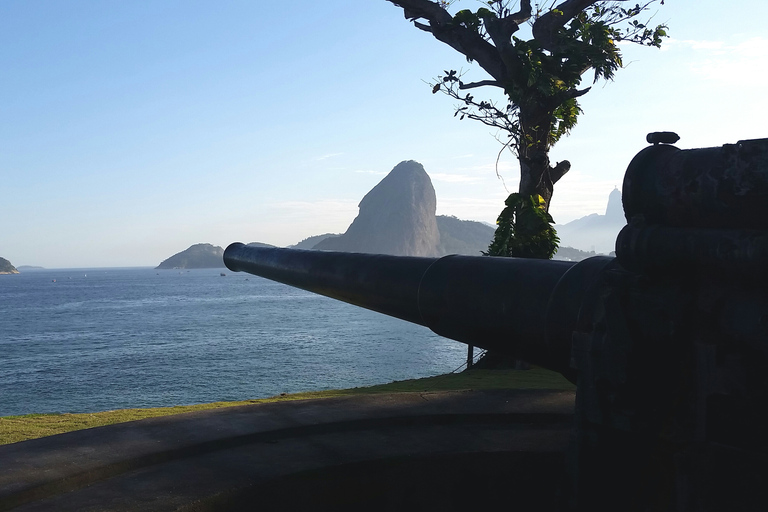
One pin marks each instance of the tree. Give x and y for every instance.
(541, 78)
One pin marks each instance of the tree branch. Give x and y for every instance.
(481, 83)
(545, 28)
(460, 38)
(563, 96)
(421, 26)
(559, 170)
(415, 9)
(521, 16)
(501, 29)
(576, 93)
(485, 112)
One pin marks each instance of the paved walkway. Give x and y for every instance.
(222, 458)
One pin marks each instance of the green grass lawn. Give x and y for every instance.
(31, 426)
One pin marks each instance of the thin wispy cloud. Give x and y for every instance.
(741, 62)
(454, 178)
(327, 156)
(377, 173)
(694, 44)
(314, 207)
(481, 210)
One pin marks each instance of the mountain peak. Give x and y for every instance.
(614, 210)
(595, 232)
(396, 217)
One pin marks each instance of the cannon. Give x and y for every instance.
(667, 341)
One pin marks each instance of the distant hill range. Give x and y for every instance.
(595, 233)
(463, 236)
(259, 244)
(197, 256)
(6, 267)
(310, 242)
(398, 217)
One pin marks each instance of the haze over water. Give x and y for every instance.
(101, 339)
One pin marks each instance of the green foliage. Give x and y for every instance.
(524, 230)
(546, 79)
(565, 116)
(541, 77)
(468, 19)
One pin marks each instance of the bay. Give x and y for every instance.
(86, 340)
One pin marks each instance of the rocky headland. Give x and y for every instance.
(6, 267)
(197, 256)
(396, 217)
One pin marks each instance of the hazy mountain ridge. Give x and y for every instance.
(311, 241)
(454, 236)
(398, 217)
(467, 237)
(595, 232)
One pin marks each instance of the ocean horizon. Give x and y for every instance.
(94, 339)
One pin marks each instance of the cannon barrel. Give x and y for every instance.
(521, 307)
(667, 342)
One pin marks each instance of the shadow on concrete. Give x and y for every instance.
(407, 451)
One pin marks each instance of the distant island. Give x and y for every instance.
(6, 267)
(197, 256)
(259, 244)
(200, 256)
(24, 268)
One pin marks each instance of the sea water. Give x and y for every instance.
(89, 340)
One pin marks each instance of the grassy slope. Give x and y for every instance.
(32, 426)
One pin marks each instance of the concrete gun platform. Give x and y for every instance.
(405, 451)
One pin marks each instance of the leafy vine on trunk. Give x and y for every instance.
(525, 230)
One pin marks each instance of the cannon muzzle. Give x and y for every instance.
(521, 307)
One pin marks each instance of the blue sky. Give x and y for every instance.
(132, 130)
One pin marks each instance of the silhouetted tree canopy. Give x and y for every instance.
(541, 75)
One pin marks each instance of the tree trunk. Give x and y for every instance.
(534, 175)
(537, 176)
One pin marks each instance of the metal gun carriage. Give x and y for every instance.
(667, 342)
